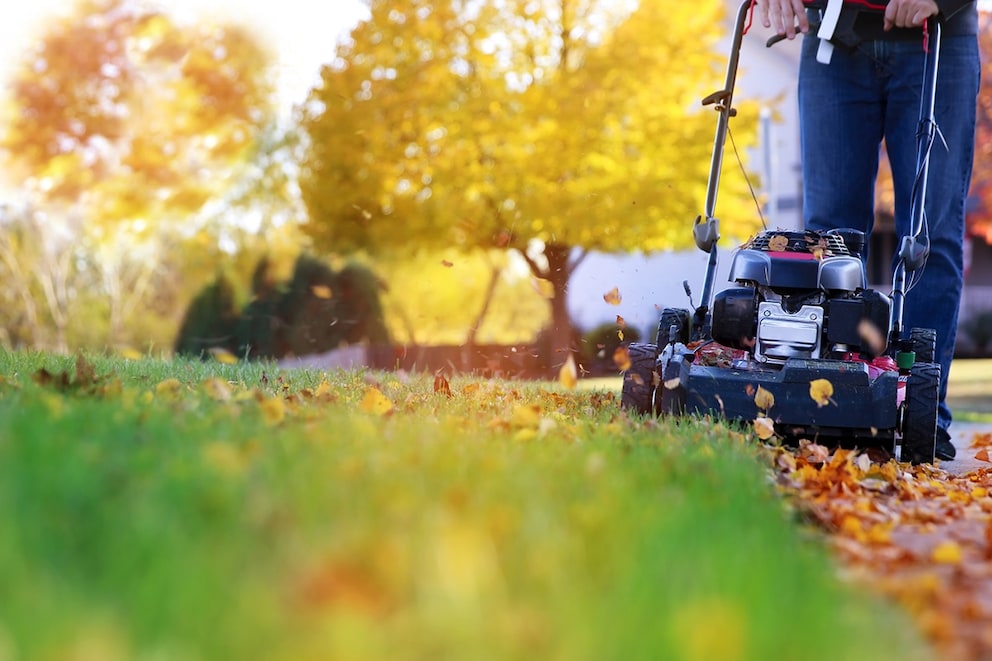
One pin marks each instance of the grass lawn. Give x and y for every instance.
(185, 510)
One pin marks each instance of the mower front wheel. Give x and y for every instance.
(919, 417)
(639, 380)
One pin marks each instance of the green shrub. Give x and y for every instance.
(211, 320)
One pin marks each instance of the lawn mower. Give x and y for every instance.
(798, 345)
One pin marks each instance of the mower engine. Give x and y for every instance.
(801, 295)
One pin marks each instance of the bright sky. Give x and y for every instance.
(302, 33)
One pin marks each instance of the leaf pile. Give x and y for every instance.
(917, 534)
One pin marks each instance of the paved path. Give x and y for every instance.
(962, 434)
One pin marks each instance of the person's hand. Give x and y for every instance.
(907, 13)
(787, 17)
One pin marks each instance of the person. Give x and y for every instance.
(863, 87)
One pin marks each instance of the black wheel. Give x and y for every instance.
(639, 380)
(673, 317)
(919, 417)
(669, 395)
(924, 344)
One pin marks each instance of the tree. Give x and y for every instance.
(130, 122)
(979, 219)
(548, 127)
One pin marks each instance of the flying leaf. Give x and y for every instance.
(764, 399)
(321, 291)
(872, 336)
(620, 334)
(613, 296)
(621, 358)
(375, 402)
(568, 375)
(543, 287)
(821, 390)
(764, 428)
(446, 264)
(621, 323)
(223, 356)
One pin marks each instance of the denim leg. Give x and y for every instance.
(840, 134)
(855, 101)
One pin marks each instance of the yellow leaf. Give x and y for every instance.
(375, 402)
(526, 415)
(223, 356)
(764, 399)
(620, 334)
(873, 337)
(613, 296)
(821, 391)
(321, 291)
(130, 354)
(764, 428)
(568, 375)
(621, 358)
(544, 287)
(947, 552)
(273, 410)
(323, 390)
(217, 389)
(168, 387)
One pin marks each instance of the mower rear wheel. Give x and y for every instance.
(677, 317)
(639, 380)
(919, 418)
(924, 342)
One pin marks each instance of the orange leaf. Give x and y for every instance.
(321, 291)
(764, 428)
(613, 296)
(983, 455)
(621, 358)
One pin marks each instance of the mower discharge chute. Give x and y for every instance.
(799, 340)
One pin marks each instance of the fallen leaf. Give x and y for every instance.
(821, 390)
(217, 389)
(613, 296)
(273, 410)
(568, 375)
(983, 455)
(441, 384)
(947, 552)
(375, 402)
(778, 243)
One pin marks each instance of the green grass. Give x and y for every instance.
(276, 518)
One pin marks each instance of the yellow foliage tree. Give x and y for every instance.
(130, 122)
(549, 127)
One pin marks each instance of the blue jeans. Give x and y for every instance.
(846, 109)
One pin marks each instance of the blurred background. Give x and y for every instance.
(510, 181)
